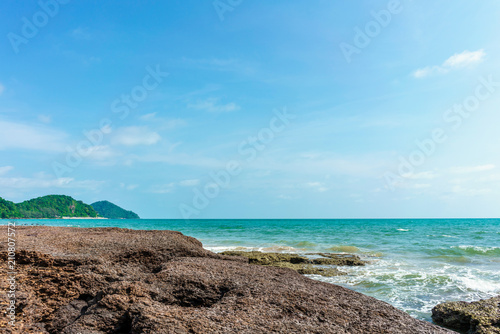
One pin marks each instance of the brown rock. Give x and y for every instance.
(109, 280)
(481, 317)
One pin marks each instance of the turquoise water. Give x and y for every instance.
(414, 263)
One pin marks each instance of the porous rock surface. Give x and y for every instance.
(480, 317)
(110, 280)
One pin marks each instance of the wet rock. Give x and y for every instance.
(109, 280)
(307, 269)
(338, 259)
(268, 259)
(301, 264)
(481, 317)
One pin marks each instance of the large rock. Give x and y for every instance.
(109, 280)
(481, 317)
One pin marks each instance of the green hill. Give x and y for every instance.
(55, 206)
(8, 209)
(109, 210)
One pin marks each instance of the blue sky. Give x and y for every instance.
(317, 109)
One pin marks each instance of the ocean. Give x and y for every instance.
(414, 264)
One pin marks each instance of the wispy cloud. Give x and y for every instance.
(212, 105)
(101, 153)
(46, 119)
(459, 190)
(170, 187)
(472, 169)
(458, 60)
(148, 117)
(26, 183)
(135, 135)
(5, 169)
(162, 123)
(80, 33)
(189, 183)
(128, 186)
(221, 64)
(317, 186)
(31, 137)
(163, 188)
(422, 175)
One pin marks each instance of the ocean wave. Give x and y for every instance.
(403, 229)
(408, 287)
(453, 258)
(280, 249)
(465, 250)
(304, 244)
(219, 249)
(477, 284)
(476, 250)
(344, 248)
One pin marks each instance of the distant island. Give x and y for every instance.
(61, 206)
(112, 211)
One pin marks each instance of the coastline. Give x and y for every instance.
(81, 218)
(132, 278)
(413, 265)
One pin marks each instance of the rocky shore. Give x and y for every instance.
(481, 317)
(110, 280)
(301, 264)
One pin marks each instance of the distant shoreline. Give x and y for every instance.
(62, 218)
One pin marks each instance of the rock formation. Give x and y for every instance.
(481, 317)
(110, 280)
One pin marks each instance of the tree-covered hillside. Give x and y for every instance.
(8, 209)
(109, 210)
(55, 206)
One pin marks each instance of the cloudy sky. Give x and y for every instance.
(249, 109)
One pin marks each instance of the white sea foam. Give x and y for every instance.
(477, 248)
(408, 287)
(403, 229)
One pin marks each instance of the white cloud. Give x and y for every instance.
(459, 190)
(128, 186)
(100, 152)
(458, 60)
(45, 119)
(80, 33)
(162, 123)
(472, 169)
(163, 188)
(222, 65)
(464, 59)
(189, 183)
(211, 105)
(170, 187)
(420, 186)
(426, 71)
(23, 136)
(148, 117)
(4, 170)
(422, 175)
(318, 186)
(42, 182)
(135, 135)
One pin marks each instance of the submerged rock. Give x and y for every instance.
(301, 264)
(110, 280)
(481, 317)
(268, 259)
(338, 259)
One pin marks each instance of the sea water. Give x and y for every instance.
(414, 264)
